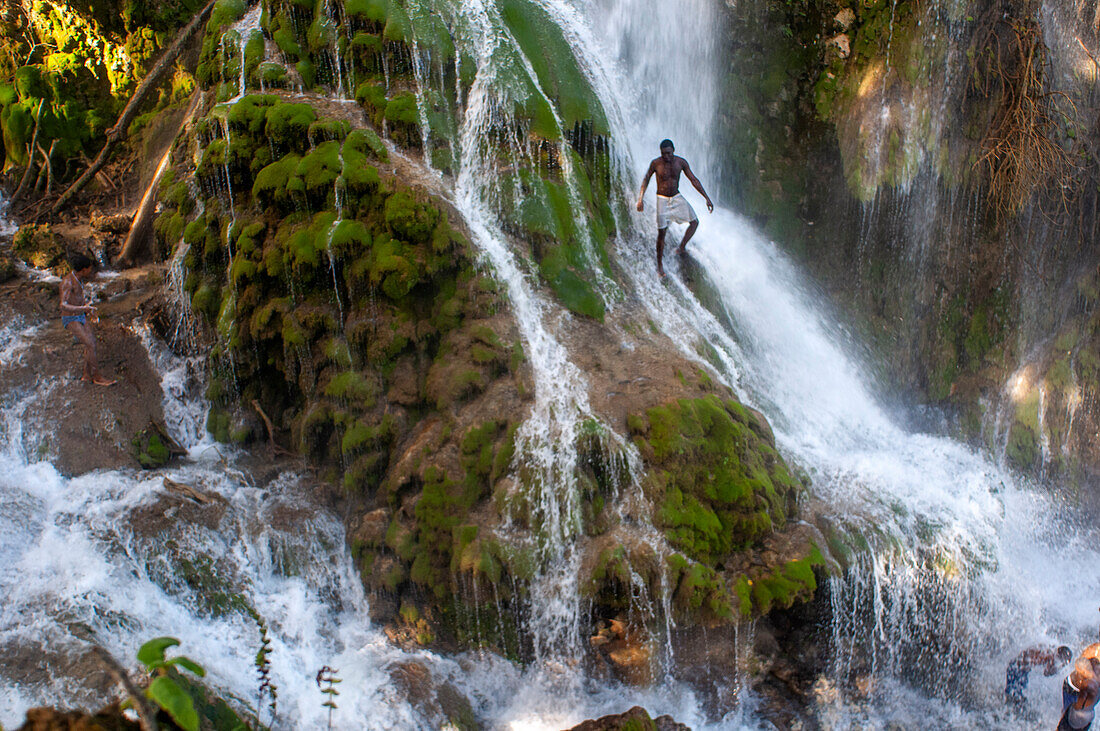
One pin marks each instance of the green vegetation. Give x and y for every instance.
(720, 485)
(164, 690)
(68, 69)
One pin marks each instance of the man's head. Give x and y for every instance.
(1064, 654)
(81, 264)
(667, 150)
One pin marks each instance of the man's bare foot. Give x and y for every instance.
(101, 381)
(681, 250)
(661, 273)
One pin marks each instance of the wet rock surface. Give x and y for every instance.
(83, 427)
(49, 719)
(636, 719)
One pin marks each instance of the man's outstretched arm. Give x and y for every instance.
(698, 186)
(645, 184)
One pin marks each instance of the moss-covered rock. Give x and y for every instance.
(719, 484)
(38, 246)
(152, 447)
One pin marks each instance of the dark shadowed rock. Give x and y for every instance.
(49, 719)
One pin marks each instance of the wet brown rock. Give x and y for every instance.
(439, 703)
(372, 527)
(636, 719)
(80, 427)
(8, 270)
(414, 680)
(49, 719)
(116, 223)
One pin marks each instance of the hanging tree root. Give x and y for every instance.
(270, 430)
(118, 131)
(1019, 155)
(47, 158)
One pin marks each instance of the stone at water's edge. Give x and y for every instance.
(636, 719)
(49, 719)
(86, 427)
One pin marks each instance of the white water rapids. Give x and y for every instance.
(967, 565)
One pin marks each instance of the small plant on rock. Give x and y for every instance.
(327, 679)
(263, 670)
(164, 690)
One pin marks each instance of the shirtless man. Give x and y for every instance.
(74, 316)
(1079, 694)
(671, 206)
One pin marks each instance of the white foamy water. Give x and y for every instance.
(7, 225)
(969, 565)
(112, 558)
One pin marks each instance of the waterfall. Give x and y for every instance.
(957, 564)
(958, 577)
(245, 28)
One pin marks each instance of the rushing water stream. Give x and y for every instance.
(964, 565)
(969, 565)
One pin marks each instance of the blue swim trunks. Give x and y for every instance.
(1016, 677)
(81, 318)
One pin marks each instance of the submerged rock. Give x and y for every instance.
(636, 719)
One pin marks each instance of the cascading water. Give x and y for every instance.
(958, 578)
(960, 562)
(7, 226)
(546, 441)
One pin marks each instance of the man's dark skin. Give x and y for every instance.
(668, 167)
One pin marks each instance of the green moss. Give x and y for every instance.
(410, 219)
(787, 584)
(700, 594)
(288, 124)
(1023, 449)
(722, 486)
(150, 450)
(556, 69)
(38, 246)
(577, 294)
(369, 10)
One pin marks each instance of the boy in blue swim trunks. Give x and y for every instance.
(75, 316)
(1050, 659)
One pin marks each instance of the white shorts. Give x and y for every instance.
(675, 209)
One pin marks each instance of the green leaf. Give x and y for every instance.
(188, 664)
(175, 701)
(151, 653)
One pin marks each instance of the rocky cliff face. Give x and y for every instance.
(344, 301)
(942, 158)
(314, 251)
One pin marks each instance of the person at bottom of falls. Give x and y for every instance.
(78, 317)
(671, 206)
(1050, 659)
(1079, 694)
